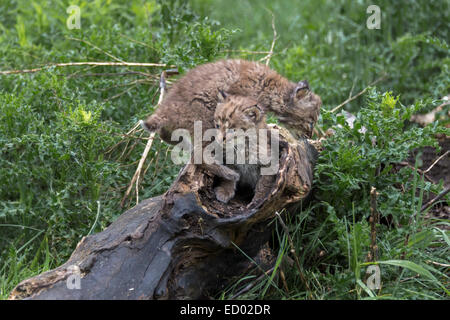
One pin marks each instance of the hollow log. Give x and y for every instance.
(183, 244)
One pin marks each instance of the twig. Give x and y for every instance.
(283, 279)
(248, 51)
(134, 128)
(136, 176)
(127, 151)
(96, 218)
(435, 199)
(353, 87)
(148, 166)
(136, 41)
(439, 264)
(270, 54)
(157, 162)
(404, 163)
(121, 93)
(72, 75)
(124, 135)
(360, 93)
(89, 63)
(297, 260)
(437, 160)
(126, 84)
(424, 119)
(110, 74)
(410, 278)
(156, 158)
(97, 48)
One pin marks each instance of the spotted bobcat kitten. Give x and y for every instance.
(194, 97)
(237, 119)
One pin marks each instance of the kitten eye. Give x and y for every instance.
(217, 126)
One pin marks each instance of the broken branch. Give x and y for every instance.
(360, 93)
(88, 63)
(136, 176)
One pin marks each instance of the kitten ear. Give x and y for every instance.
(301, 88)
(253, 113)
(222, 96)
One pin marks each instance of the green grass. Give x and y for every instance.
(65, 164)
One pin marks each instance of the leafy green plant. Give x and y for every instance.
(362, 155)
(65, 162)
(332, 235)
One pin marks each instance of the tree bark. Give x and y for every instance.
(184, 244)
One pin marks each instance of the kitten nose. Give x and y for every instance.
(143, 125)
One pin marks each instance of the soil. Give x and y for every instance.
(440, 172)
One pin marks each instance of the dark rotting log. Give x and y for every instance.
(184, 244)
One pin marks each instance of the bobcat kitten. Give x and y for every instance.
(194, 97)
(236, 116)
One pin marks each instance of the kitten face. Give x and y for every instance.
(237, 112)
(303, 97)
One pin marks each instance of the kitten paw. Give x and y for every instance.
(224, 193)
(231, 175)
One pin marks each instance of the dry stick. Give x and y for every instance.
(297, 260)
(439, 264)
(424, 207)
(404, 163)
(124, 135)
(410, 278)
(132, 84)
(270, 54)
(437, 160)
(110, 74)
(360, 93)
(97, 48)
(127, 151)
(155, 171)
(157, 161)
(127, 135)
(424, 173)
(248, 51)
(135, 179)
(148, 166)
(89, 63)
(134, 128)
(353, 87)
(422, 118)
(283, 279)
(72, 75)
(129, 83)
(121, 93)
(136, 41)
(434, 200)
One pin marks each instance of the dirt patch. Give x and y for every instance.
(439, 172)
